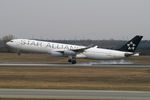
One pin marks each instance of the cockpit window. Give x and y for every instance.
(11, 41)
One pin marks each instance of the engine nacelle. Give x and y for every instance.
(56, 54)
(69, 53)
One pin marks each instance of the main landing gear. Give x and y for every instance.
(18, 52)
(72, 60)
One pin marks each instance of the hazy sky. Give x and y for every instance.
(75, 19)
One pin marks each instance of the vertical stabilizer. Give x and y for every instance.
(131, 45)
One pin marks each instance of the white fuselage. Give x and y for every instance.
(50, 47)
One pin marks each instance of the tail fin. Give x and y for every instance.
(131, 45)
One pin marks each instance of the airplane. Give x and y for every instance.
(75, 51)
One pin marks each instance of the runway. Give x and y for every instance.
(74, 94)
(75, 65)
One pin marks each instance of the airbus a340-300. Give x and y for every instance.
(75, 51)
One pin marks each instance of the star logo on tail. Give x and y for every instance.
(131, 46)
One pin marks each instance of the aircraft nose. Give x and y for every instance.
(8, 43)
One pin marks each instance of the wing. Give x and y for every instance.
(82, 49)
(70, 52)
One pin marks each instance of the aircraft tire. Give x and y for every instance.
(69, 60)
(74, 62)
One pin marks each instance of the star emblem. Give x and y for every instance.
(131, 46)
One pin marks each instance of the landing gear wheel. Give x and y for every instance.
(72, 59)
(69, 60)
(19, 53)
(73, 62)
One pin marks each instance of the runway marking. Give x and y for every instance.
(74, 94)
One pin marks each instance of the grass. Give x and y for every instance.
(72, 77)
(75, 78)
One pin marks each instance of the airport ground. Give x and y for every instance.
(49, 99)
(55, 77)
(72, 77)
(75, 78)
(46, 58)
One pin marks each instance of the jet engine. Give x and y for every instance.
(55, 53)
(69, 53)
